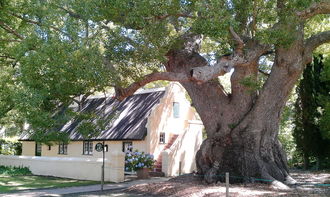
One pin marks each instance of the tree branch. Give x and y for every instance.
(71, 13)
(7, 57)
(227, 62)
(129, 40)
(238, 40)
(9, 40)
(313, 42)
(315, 9)
(37, 23)
(122, 93)
(169, 15)
(10, 30)
(224, 65)
(205, 73)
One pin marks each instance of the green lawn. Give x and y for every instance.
(15, 179)
(17, 183)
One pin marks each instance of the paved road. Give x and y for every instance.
(79, 189)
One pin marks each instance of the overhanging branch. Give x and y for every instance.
(225, 63)
(10, 30)
(122, 93)
(315, 9)
(38, 23)
(205, 73)
(315, 41)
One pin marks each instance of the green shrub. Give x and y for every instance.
(14, 171)
(10, 147)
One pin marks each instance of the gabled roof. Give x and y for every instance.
(126, 120)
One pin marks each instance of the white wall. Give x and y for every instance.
(75, 149)
(183, 151)
(28, 148)
(162, 120)
(71, 167)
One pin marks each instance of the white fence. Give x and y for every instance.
(71, 167)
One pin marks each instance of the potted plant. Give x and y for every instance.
(139, 162)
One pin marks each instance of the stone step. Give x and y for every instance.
(158, 166)
(157, 169)
(157, 174)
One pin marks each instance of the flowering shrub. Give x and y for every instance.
(138, 160)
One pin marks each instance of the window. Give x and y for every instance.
(176, 110)
(106, 149)
(162, 138)
(127, 146)
(88, 148)
(38, 149)
(62, 148)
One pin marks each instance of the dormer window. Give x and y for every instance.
(176, 109)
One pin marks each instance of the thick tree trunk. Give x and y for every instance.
(243, 140)
(242, 127)
(250, 152)
(306, 162)
(248, 147)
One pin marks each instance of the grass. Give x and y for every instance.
(17, 179)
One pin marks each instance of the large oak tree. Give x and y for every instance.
(64, 47)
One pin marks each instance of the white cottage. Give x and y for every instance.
(160, 122)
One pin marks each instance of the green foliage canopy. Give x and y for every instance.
(54, 51)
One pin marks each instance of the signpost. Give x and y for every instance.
(101, 147)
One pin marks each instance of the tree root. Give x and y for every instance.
(279, 185)
(290, 181)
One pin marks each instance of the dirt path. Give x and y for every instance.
(313, 184)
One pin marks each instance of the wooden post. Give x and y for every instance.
(180, 168)
(102, 175)
(227, 184)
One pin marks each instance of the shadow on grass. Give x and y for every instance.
(9, 184)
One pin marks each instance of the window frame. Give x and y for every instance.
(130, 143)
(162, 137)
(176, 110)
(62, 148)
(89, 149)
